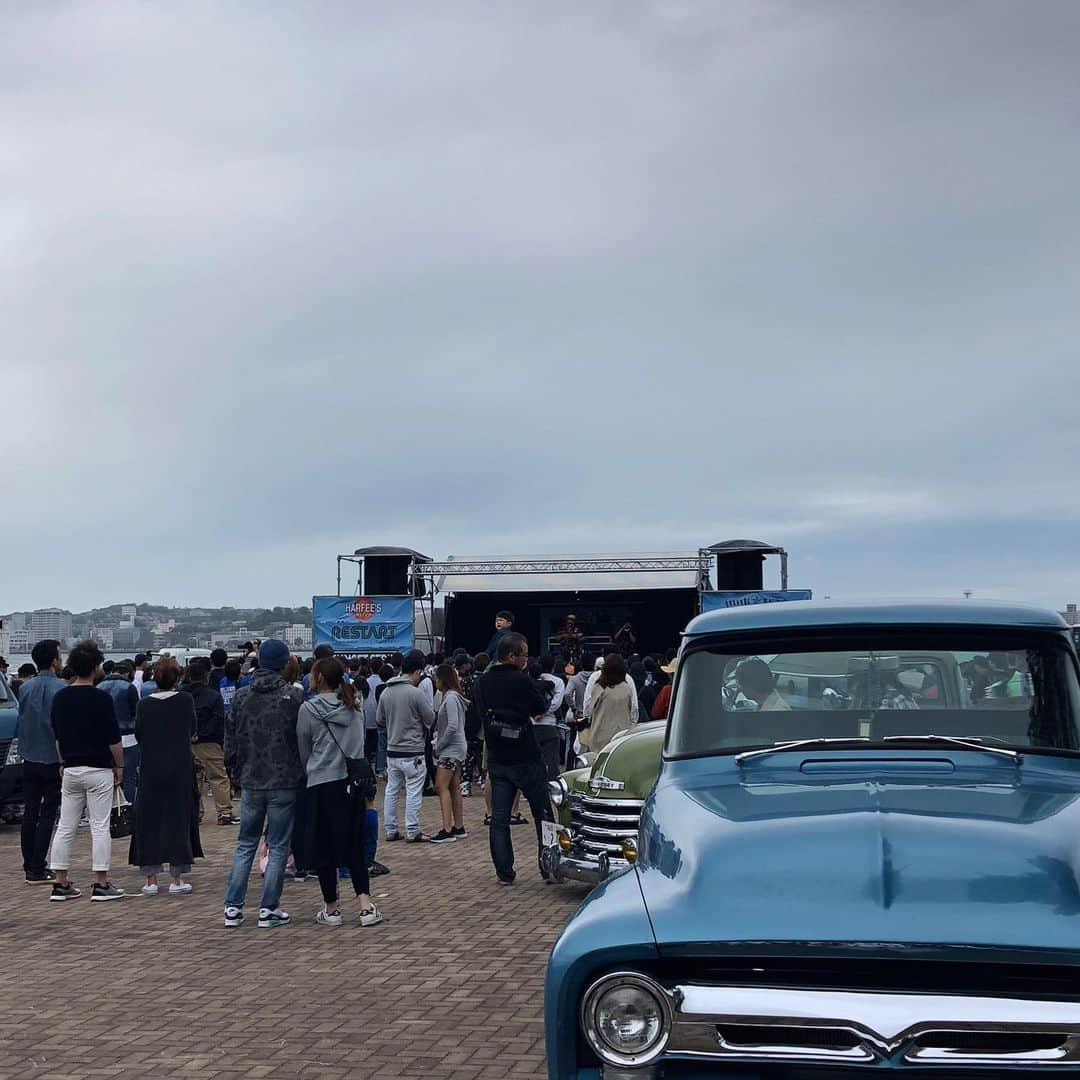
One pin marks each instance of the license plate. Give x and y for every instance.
(549, 833)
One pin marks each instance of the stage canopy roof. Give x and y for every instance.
(571, 573)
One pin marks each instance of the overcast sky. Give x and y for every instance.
(278, 281)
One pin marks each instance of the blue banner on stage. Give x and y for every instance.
(715, 601)
(363, 624)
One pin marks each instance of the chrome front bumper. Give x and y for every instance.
(763, 1024)
(577, 866)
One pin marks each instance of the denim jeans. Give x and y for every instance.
(275, 807)
(132, 757)
(531, 780)
(408, 773)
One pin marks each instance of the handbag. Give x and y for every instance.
(122, 818)
(359, 774)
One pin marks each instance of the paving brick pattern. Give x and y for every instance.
(450, 985)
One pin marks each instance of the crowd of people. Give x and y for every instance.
(302, 744)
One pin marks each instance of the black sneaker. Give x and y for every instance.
(377, 869)
(65, 892)
(228, 819)
(108, 891)
(47, 877)
(443, 837)
(459, 833)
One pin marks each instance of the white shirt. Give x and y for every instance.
(594, 678)
(427, 687)
(556, 698)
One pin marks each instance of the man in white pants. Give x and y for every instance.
(406, 714)
(92, 766)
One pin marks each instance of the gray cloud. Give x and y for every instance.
(519, 278)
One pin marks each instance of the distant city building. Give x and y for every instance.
(298, 635)
(19, 642)
(127, 614)
(1071, 615)
(5, 642)
(54, 623)
(104, 638)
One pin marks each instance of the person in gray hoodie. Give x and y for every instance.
(450, 753)
(330, 728)
(407, 717)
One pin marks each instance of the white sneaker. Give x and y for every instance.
(234, 916)
(329, 918)
(370, 916)
(269, 919)
(180, 890)
(149, 890)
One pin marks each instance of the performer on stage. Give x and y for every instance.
(570, 638)
(626, 639)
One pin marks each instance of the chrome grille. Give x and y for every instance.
(602, 824)
(761, 1024)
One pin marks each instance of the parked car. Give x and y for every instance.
(11, 795)
(598, 807)
(874, 867)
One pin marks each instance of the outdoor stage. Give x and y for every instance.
(455, 600)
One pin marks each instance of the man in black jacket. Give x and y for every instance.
(209, 737)
(508, 700)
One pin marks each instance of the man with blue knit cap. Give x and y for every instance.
(262, 757)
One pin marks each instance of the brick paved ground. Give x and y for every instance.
(448, 986)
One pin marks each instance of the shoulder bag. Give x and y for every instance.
(122, 818)
(359, 775)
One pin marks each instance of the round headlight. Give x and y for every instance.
(626, 1018)
(557, 790)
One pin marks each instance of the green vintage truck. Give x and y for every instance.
(597, 807)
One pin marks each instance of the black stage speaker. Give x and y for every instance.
(741, 571)
(388, 575)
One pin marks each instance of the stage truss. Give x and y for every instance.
(425, 574)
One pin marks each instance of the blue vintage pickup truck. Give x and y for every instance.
(862, 853)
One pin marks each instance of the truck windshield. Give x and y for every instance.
(1010, 689)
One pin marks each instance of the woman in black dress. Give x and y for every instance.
(166, 800)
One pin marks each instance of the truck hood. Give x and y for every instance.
(953, 849)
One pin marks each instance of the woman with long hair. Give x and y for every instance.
(167, 798)
(329, 729)
(450, 753)
(612, 705)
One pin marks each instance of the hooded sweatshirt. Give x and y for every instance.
(405, 713)
(320, 755)
(575, 691)
(260, 734)
(450, 741)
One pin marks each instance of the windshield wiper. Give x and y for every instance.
(970, 744)
(798, 744)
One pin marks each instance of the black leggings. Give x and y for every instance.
(339, 838)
